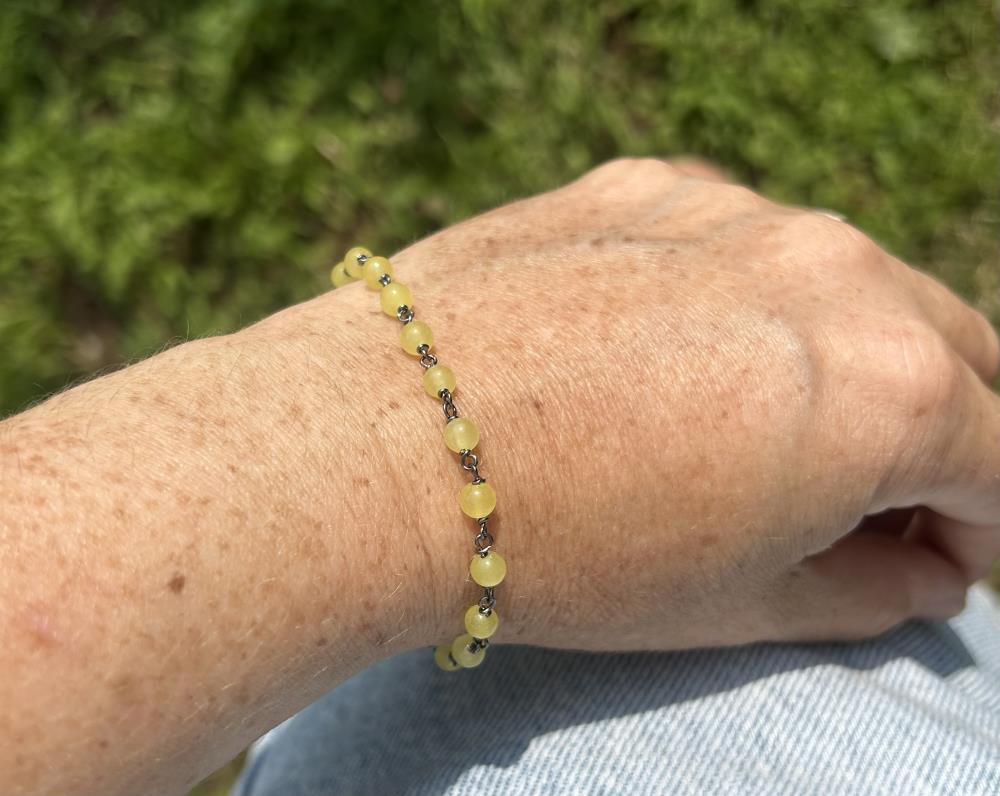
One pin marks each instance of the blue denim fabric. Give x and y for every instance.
(916, 711)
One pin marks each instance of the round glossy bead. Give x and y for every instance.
(488, 570)
(339, 276)
(437, 378)
(415, 334)
(480, 625)
(462, 655)
(477, 500)
(374, 268)
(461, 434)
(442, 657)
(351, 264)
(393, 296)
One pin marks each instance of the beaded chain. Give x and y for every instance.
(477, 498)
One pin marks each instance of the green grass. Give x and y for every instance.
(171, 169)
(221, 782)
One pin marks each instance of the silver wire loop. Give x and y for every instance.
(487, 601)
(427, 359)
(484, 539)
(448, 405)
(468, 460)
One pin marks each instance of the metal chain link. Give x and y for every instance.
(483, 540)
(487, 601)
(470, 462)
(477, 644)
(427, 359)
(448, 405)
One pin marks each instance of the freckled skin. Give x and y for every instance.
(688, 397)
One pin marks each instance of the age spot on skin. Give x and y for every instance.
(176, 583)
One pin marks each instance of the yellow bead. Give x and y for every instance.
(463, 657)
(437, 378)
(480, 625)
(442, 657)
(477, 500)
(393, 296)
(461, 434)
(339, 276)
(374, 268)
(351, 264)
(414, 335)
(488, 570)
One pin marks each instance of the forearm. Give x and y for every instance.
(196, 546)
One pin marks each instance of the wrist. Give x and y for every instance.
(393, 470)
(360, 439)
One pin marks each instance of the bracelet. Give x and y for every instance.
(477, 499)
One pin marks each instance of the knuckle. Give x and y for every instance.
(627, 169)
(902, 379)
(695, 166)
(990, 347)
(834, 240)
(925, 383)
(927, 373)
(734, 197)
(725, 196)
(907, 385)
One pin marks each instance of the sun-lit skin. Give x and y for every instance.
(687, 397)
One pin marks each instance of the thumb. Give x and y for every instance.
(866, 584)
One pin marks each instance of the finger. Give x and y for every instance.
(866, 584)
(956, 472)
(894, 522)
(967, 330)
(972, 548)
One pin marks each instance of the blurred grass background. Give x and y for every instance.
(178, 169)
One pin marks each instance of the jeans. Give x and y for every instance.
(916, 711)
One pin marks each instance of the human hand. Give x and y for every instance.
(690, 397)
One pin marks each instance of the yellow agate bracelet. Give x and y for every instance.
(477, 498)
